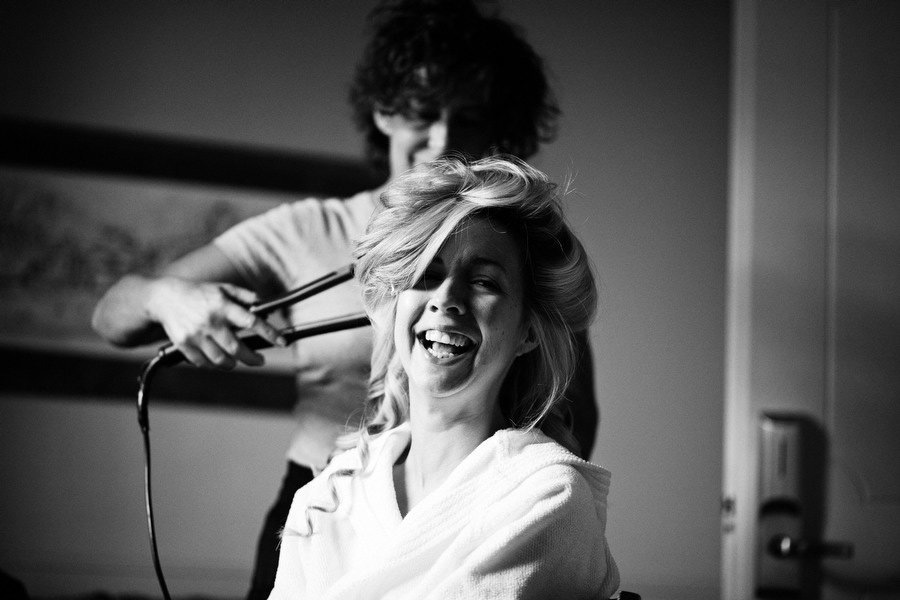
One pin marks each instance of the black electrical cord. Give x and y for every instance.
(169, 355)
(144, 421)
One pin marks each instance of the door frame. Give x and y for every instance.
(738, 532)
(779, 178)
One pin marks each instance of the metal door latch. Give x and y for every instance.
(784, 546)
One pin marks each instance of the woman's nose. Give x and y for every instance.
(448, 297)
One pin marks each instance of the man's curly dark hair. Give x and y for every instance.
(424, 53)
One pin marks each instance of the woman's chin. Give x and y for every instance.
(441, 375)
(442, 381)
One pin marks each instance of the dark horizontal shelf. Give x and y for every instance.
(78, 148)
(77, 377)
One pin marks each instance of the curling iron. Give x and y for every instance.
(169, 355)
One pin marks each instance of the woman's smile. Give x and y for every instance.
(445, 345)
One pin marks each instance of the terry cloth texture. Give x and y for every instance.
(520, 517)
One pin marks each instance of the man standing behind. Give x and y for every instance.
(437, 76)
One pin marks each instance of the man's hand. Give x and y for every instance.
(202, 320)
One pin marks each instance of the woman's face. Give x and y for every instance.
(460, 327)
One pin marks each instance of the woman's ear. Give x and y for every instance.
(528, 342)
(383, 122)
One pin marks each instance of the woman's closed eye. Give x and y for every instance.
(487, 283)
(430, 279)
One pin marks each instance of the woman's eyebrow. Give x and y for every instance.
(482, 261)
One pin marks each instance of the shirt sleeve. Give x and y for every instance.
(294, 242)
(256, 246)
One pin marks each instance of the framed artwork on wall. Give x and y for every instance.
(80, 208)
(65, 237)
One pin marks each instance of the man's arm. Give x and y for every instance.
(198, 302)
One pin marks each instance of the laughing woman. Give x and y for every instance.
(463, 481)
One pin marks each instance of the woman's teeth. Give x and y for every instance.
(442, 344)
(453, 339)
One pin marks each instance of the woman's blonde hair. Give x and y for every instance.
(421, 209)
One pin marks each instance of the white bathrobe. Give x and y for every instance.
(520, 517)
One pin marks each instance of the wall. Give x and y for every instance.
(644, 90)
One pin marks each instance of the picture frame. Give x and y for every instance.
(80, 207)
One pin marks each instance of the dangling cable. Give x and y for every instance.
(169, 355)
(144, 421)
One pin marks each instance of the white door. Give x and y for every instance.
(812, 411)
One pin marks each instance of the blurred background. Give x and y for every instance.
(643, 144)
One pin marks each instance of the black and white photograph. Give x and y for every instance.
(432, 299)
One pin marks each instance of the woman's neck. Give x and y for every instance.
(436, 448)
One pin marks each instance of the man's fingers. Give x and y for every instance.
(216, 353)
(238, 314)
(241, 296)
(263, 329)
(194, 356)
(249, 357)
(235, 349)
(244, 319)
